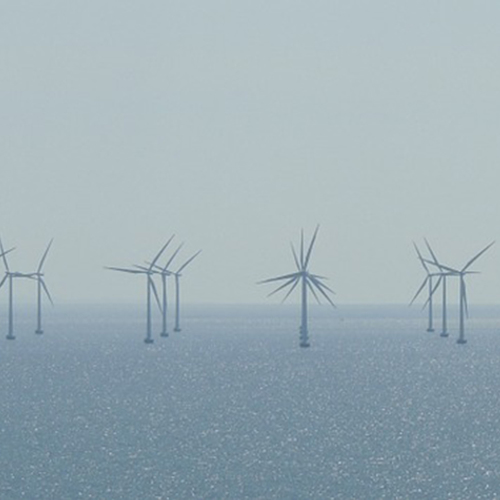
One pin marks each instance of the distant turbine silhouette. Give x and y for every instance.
(177, 275)
(464, 310)
(165, 273)
(39, 275)
(9, 275)
(307, 280)
(443, 275)
(427, 281)
(148, 272)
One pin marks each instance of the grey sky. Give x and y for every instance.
(235, 123)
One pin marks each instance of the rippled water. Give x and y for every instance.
(232, 408)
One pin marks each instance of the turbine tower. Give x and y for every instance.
(307, 280)
(165, 272)
(464, 310)
(39, 275)
(150, 286)
(177, 275)
(10, 276)
(442, 279)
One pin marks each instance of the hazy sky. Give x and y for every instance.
(233, 124)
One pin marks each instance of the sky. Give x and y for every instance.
(235, 124)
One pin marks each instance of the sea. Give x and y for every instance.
(232, 408)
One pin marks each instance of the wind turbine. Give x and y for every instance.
(41, 285)
(427, 281)
(148, 272)
(308, 281)
(464, 311)
(10, 276)
(165, 273)
(443, 275)
(177, 276)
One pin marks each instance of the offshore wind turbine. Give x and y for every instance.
(307, 280)
(177, 275)
(150, 286)
(10, 276)
(165, 272)
(427, 281)
(464, 310)
(39, 276)
(443, 275)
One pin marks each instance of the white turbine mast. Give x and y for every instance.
(41, 285)
(177, 275)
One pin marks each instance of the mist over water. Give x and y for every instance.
(231, 407)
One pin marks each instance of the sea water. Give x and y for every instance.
(232, 408)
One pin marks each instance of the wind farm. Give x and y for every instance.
(153, 269)
(303, 147)
(461, 273)
(437, 276)
(442, 273)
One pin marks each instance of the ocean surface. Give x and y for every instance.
(232, 408)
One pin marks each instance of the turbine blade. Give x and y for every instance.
(311, 245)
(287, 283)
(318, 287)
(123, 270)
(302, 249)
(46, 290)
(313, 291)
(3, 256)
(155, 292)
(477, 256)
(419, 290)
(432, 253)
(188, 261)
(279, 278)
(145, 269)
(295, 258)
(157, 256)
(292, 288)
(422, 260)
(318, 277)
(44, 256)
(434, 288)
(173, 256)
(322, 285)
(443, 267)
(3, 280)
